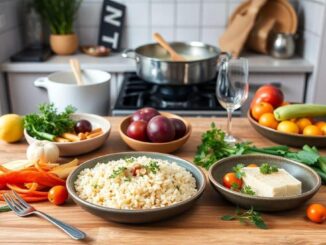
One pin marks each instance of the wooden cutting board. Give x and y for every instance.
(236, 34)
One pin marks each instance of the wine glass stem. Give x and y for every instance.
(228, 127)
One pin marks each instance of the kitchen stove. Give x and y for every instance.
(191, 100)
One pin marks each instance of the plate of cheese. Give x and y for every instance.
(264, 182)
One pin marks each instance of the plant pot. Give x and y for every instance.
(64, 44)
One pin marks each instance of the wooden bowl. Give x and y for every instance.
(166, 147)
(295, 140)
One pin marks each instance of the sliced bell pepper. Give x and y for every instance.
(27, 191)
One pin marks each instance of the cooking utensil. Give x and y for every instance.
(166, 147)
(75, 67)
(92, 97)
(23, 209)
(258, 38)
(153, 63)
(140, 215)
(83, 146)
(309, 178)
(295, 140)
(282, 45)
(174, 55)
(280, 10)
(236, 34)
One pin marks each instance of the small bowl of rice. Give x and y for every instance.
(136, 187)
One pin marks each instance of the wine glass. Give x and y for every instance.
(232, 88)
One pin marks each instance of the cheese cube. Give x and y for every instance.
(277, 184)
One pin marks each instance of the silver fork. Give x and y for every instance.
(22, 209)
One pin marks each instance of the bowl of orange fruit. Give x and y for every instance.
(288, 124)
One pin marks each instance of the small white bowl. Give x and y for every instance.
(84, 146)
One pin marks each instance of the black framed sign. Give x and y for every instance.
(111, 24)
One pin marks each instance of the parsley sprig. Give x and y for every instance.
(238, 170)
(246, 189)
(265, 168)
(117, 172)
(152, 167)
(247, 217)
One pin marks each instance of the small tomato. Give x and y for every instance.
(58, 195)
(316, 212)
(231, 181)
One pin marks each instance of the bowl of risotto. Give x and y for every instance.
(136, 187)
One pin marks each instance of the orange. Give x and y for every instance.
(261, 108)
(312, 130)
(302, 123)
(268, 120)
(323, 129)
(320, 124)
(288, 127)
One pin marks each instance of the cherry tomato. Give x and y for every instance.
(230, 180)
(288, 127)
(312, 130)
(252, 165)
(316, 212)
(323, 129)
(270, 94)
(261, 108)
(302, 123)
(268, 120)
(58, 195)
(320, 124)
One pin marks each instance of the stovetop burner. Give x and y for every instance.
(192, 100)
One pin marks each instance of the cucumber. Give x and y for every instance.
(299, 110)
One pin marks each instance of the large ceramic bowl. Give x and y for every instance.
(309, 178)
(295, 140)
(137, 216)
(84, 146)
(166, 147)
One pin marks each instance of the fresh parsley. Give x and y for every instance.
(265, 168)
(152, 167)
(129, 159)
(49, 123)
(213, 147)
(117, 172)
(235, 186)
(247, 217)
(247, 190)
(238, 170)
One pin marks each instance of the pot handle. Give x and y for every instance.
(129, 53)
(41, 82)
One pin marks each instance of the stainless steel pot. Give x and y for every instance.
(282, 45)
(153, 63)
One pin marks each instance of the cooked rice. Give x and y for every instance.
(135, 183)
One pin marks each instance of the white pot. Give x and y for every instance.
(92, 97)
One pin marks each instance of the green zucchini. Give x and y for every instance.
(299, 110)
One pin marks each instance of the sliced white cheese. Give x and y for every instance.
(277, 184)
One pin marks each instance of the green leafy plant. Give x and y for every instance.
(247, 217)
(265, 168)
(213, 148)
(49, 123)
(247, 190)
(59, 14)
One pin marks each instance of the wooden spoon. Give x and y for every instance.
(174, 55)
(75, 67)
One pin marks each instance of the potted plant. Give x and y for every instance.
(60, 16)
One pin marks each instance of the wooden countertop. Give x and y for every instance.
(200, 225)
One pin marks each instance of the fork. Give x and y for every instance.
(22, 209)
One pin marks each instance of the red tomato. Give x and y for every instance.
(316, 213)
(230, 180)
(58, 194)
(269, 94)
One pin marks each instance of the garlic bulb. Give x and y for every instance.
(42, 150)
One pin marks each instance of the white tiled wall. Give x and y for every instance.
(184, 20)
(10, 39)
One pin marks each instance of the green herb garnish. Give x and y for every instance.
(238, 171)
(247, 190)
(247, 217)
(213, 148)
(49, 123)
(265, 168)
(5, 209)
(129, 159)
(235, 187)
(117, 172)
(152, 167)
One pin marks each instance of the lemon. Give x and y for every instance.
(11, 128)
